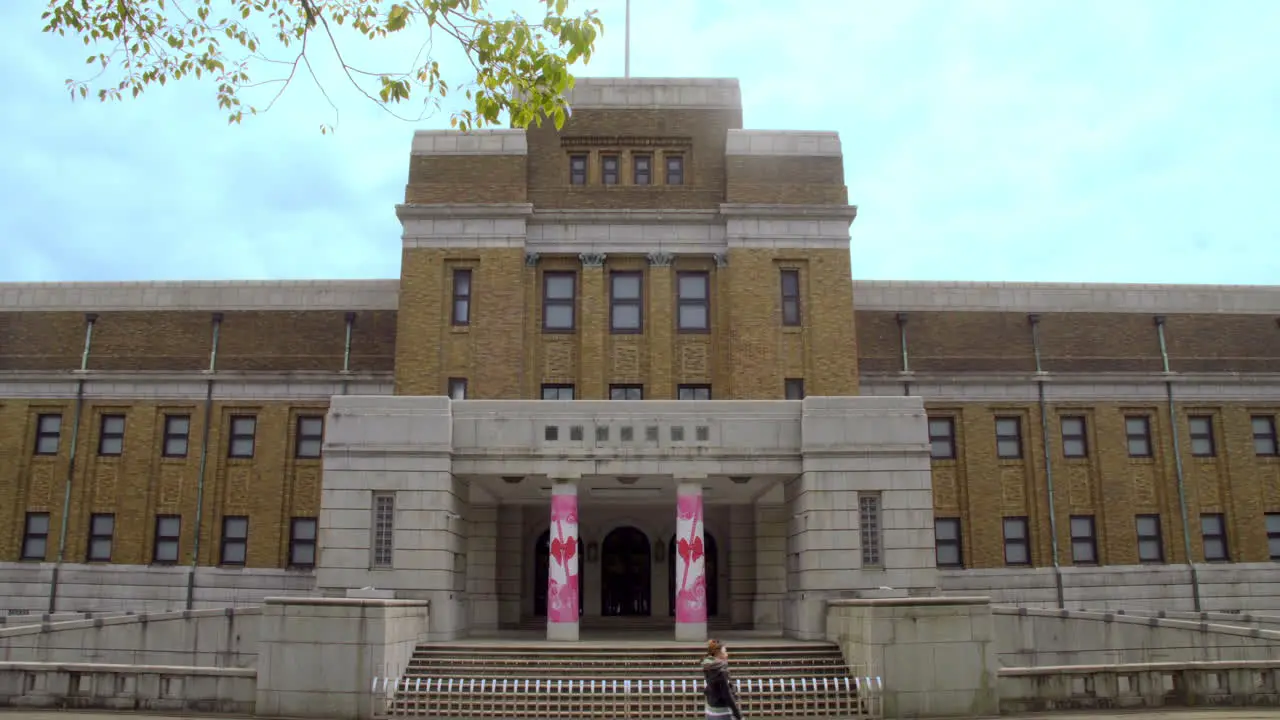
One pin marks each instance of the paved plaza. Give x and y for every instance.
(1172, 714)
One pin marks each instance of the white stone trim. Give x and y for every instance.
(496, 141)
(191, 386)
(778, 143)
(1189, 389)
(594, 93)
(229, 295)
(1065, 297)
(627, 232)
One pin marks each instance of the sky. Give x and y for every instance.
(988, 140)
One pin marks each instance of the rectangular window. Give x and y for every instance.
(791, 298)
(793, 388)
(942, 438)
(609, 169)
(869, 529)
(1084, 540)
(102, 530)
(675, 169)
(1273, 535)
(577, 169)
(310, 437)
(1200, 428)
(626, 392)
(177, 431)
(1150, 539)
(457, 388)
(693, 392)
(1008, 438)
(1017, 548)
(235, 540)
(1075, 444)
(559, 301)
(1137, 433)
(1264, 435)
(48, 434)
(557, 392)
(111, 436)
(35, 536)
(693, 300)
(302, 542)
(462, 297)
(1213, 532)
(384, 527)
(164, 551)
(625, 304)
(243, 430)
(946, 540)
(642, 169)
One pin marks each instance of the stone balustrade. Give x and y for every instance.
(165, 688)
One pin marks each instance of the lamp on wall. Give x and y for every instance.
(659, 551)
(593, 551)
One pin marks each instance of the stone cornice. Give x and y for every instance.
(620, 217)
(414, 211)
(1068, 378)
(807, 212)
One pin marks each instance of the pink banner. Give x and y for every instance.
(562, 578)
(691, 582)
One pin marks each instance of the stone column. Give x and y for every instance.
(595, 327)
(691, 580)
(562, 578)
(660, 325)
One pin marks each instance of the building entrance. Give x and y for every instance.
(625, 573)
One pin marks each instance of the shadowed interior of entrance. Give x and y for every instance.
(542, 571)
(625, 574)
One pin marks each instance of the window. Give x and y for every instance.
(1008, 438)
(675, 169)
(626, 392)
(48, 434)
(791, 298)
(609, 169)
(457, 388)
(168, 535)
(1074, 442)
(111, 436)
(102, 529)
(1084, 540)
(235, 539)
(1264, 435)
(177, 430)
(869, 529)
(946, 540)
(693, 392)
(625, 314)
(793, 388)
(642, 169)
(557, 392)
(384, 525)
(243, 428)
(1017, 549)
(1200, 428)
(1150, 539)
(1137, 433)
(942, 438)
(1213, 531)
(559, 295)
(693, 299)
(35, 536)
(302, 542)
(462, 297)
(577, 169)
(1273, 535)
(310, 437)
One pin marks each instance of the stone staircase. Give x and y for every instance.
(625, 679)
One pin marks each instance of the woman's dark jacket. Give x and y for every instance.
(720, 690)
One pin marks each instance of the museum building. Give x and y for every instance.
(626, 378)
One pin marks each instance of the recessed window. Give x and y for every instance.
(1009, 438)
(384, 529)
(869, 529)
(1264, 435)
(1150, 539)
(793, 388)
(302, 542)
(1137, 433)
(164, 551)
(642, 169)
(177, 433)
(310, 436)
(1200, 428)
(1084, 540)
(609, 169)
(1213, 531)
(1273, 535)
(457, 388)
(677, 433)
(577, 169)
(693, 296)
(35, 536)
(559, 301)
(625, 306)
(693, 392)
(1017, 548)
(946, 540)
(942, 438)
(462, 297)
(235, 540)
(626, 392)
(111, 436)
(557, 392)
(1074, 442)
(675, 169)
(48, 434)
(791, 297)
(626, 433)
(243, 430)
(102, 530)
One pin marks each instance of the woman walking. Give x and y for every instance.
(722, 698)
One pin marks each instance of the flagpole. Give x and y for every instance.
(627, 51)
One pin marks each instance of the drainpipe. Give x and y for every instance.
(346, 353)
(1041, 377)
(906, 358)
(1177, 463)
(89, 320)
(204, 461)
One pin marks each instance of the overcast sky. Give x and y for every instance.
(1033, 140)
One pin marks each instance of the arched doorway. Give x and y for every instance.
(542, 571)
(625, 573)
(711, 564)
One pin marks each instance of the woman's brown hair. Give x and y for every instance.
(714, 647)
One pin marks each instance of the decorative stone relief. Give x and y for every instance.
(592, 259)
(531, 259)
(661, 259)
(722, 260)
